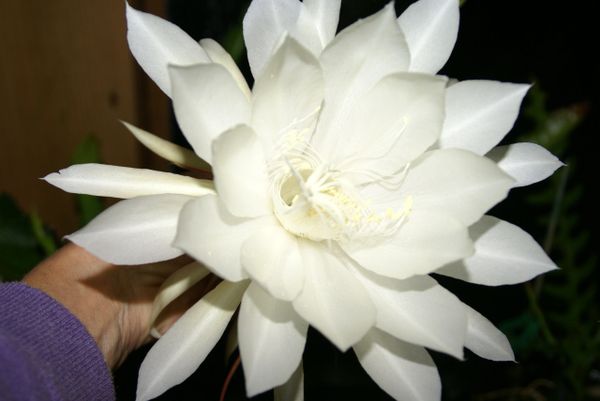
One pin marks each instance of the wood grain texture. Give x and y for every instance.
(65, 73)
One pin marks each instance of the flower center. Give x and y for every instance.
(313, 200)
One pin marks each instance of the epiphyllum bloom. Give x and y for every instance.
(348, 174)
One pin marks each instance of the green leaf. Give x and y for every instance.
(522, 331)
(19, 250)
(44, 239)
(233, 42)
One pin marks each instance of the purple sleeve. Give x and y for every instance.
(45, 352)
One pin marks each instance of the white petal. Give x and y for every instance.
(333, 301)
(504, 254)
(352, 65)
(271, 337)
(271, 256)
(527, 163)
(485, 340)
(404, 371)
(424, 242)
(210, 234)
(326, 14)
(156, 43)
(134, 231)
(220, 56)
(264, 24)
(288, 93)
(186, 344)
(418, 310)
(430, 28)
(480, 113)
(176, 154)
(392, 124)
(175, 285)
(125, 182)
(316, 24)
(293, 389)
(207, 102)
(240, 171)
(455, 182)
(306, 32)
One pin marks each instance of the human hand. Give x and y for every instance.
(114, 303)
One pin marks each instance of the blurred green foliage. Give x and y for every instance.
(233, 42)
(24, 239)
(20, 249)
(557, 338)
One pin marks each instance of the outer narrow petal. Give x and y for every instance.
(361, 46)
(504, 254)
(264, 24)
(316, 24)
(457, 183)
(271, 257)
(288, 94)
(271, 337)
(175, 285)
(325, 14)
(186, 344)
(207, 102)
(418, 310)
(125, 182)
(392, 124)
(293, 389)
(210, 234)
(176, 154)
(156, 43)
(333, 300)
(527, 163)
(306, 32)
(134, 231)
(425, 242)
(430, 28)
(220, 56)
(480, 113)
(404, 371)
(240, 171)
(485, 340)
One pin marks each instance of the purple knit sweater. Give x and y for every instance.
(45, 352)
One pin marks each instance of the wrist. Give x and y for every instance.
(82, 283)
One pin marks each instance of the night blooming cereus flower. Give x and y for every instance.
(345, 176)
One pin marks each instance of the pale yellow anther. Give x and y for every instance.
(315, 201)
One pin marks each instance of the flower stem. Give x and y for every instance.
(234, 368)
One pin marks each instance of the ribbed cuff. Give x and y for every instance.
(67, 355)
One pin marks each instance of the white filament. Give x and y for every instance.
(312, 199)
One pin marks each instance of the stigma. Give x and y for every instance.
(315, 200)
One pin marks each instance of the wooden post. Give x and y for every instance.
(65, 73)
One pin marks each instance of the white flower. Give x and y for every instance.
(348, 174)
